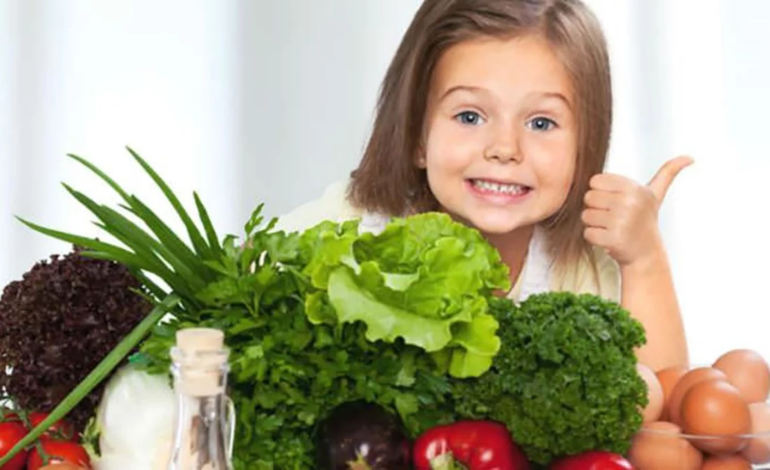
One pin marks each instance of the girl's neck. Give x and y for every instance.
(513, 248)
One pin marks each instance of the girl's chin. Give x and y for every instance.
(496, 226)
(497, 229)
(492, 222)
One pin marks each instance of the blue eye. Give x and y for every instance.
(471, 118)
(541, 124)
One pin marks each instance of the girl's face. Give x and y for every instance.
(500, 141)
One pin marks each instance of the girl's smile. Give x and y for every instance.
(498, 192)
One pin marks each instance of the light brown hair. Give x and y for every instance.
(388, 180)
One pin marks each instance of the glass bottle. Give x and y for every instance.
(203, 435)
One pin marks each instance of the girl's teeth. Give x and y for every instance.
(499, 188)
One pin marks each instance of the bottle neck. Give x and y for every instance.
(200, 431)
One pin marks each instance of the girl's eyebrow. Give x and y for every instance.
(535, 94)
(552, 95)
(466, 88)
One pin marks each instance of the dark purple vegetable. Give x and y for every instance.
(362, 436)
(58, 322)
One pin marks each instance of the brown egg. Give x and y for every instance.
(748, 372)
(729, 462)
(654, 394)
(758, 450)
(668, 378)
(714, 407)
(689, 379)
(659, 447)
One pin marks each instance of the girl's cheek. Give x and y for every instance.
(449, 148)
(558, 171)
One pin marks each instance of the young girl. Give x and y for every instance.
(498, 112)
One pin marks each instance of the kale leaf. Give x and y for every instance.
(565, 379)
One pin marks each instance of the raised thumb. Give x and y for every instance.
(666, 174)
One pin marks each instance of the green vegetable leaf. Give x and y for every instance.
(165, 234)
(202, 249)
(478, 346)
(474, 335)
(407, 404)
(435, 242)
(424, 280)
(319, 310)
(565, 379)
(384, 322)
(211, 233)
(332, 251)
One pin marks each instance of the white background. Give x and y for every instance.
(270, 101)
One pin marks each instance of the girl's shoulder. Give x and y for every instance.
(599, 275)
(332, 205)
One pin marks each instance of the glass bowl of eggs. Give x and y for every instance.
(707, 417)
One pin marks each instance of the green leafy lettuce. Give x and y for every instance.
(425, 279)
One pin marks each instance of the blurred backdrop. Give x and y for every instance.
(249, 101)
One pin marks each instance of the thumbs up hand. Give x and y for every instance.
(621, 215)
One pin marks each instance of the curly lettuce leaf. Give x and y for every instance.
(386, 322)
(425, 279)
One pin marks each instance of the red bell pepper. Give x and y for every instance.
(475, 445)
(593, 460)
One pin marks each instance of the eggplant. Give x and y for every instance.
(360, 435)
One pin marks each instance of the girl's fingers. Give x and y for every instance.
(597, 218)
(597, 236)
(595, 199)
(611, 183)
(665, 176)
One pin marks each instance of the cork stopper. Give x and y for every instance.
(200, 356)
(196, 340)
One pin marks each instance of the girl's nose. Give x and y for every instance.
(504, 143)
(504, 151)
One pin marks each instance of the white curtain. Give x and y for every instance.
(270, 101)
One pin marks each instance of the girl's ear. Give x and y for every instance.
(420, 159)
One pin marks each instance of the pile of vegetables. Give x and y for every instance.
(401, 327)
